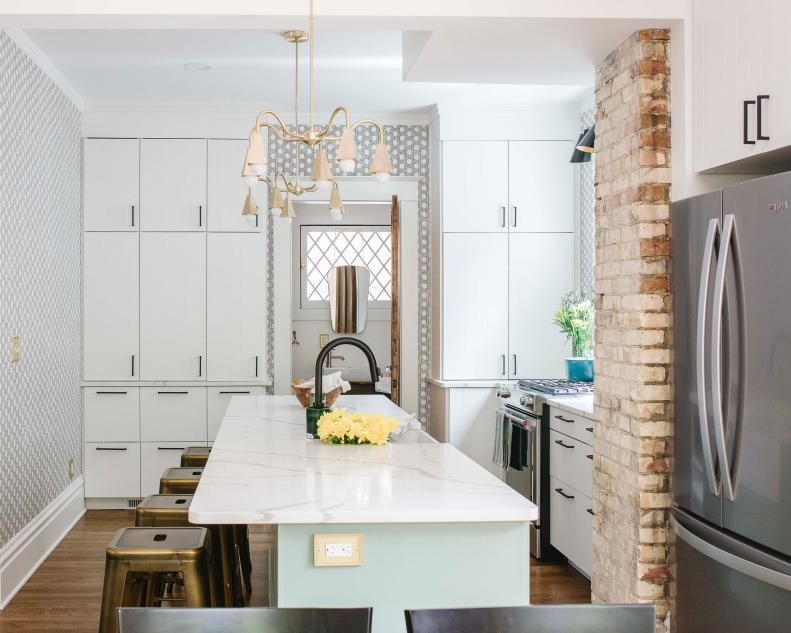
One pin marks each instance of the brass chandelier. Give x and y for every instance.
(255, 168)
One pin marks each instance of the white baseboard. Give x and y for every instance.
(25, 552)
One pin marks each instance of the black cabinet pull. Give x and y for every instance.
(256, 220)
(256, 366)
(224, 393)
(590, 457)
(180, 393)
(562, 419)
(133, 215)
(200, 215)
(133, 364)
(103, 448)
(746, 115)
(170, 448)
(200, 366)
(560, 442)
(563, 494)
(589, 429)
(111, 393)
(758, 111)
(589, 511)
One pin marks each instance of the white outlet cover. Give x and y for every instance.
(338, 550)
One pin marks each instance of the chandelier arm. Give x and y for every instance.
(284, 134)
(376, 124)
(325, 130)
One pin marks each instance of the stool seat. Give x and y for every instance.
(180, 480)
(195, 456)
(163, 510)
(143, 542)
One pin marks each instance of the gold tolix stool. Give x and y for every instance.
(137, 557)
(173, 511)
(179, 481)
(195, 456)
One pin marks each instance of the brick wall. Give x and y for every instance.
(633, 401)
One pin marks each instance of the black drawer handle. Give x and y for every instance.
(562, 419)
(178, 393)
(589, 429)
(589, 511)
(746, 115)
(102, 448)
(225, 393)
(560, 443)
(563, 494)
(759, 108)
(111, 393)
(589, 457)
(170, 448)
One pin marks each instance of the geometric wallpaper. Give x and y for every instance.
(587, 217)
(409, 152)
(40, 171)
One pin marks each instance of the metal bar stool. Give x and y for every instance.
(195, 456)
(173, 511)
(179, 481)
(136, 556)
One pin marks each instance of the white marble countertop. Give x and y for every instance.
(263, 470)
(581, 405)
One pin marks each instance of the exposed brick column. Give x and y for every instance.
(633, 397)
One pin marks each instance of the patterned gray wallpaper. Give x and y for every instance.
(40, 167)
(409, 153)
(587, 217)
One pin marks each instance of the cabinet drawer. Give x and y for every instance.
(155, 457)
(576, 426)
(112, 469)
(569, 461)
(563, 502)
(173, 414)
(217, 402)
(111, 414)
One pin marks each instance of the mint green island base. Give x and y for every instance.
(406, 566)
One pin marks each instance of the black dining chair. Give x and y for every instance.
(156, 620)
(565, 618)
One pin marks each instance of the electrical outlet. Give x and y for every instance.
(323, 340)
(71, 468)
(337, 550)
(16, 352)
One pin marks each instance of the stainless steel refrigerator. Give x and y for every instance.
(732, 467)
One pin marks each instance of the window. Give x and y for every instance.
(326, 246)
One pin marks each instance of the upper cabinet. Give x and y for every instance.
(540, 187)
(475, 186)
(112, 184)
(226, 191)
(173, 184)
(742, 79)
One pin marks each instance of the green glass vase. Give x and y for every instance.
(312, 415)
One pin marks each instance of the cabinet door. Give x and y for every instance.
(172, 184)
(541, 186)
(236, 309)
(111, 184)
(474, 186)
(112, 470)
(226, 191)
(110, 306)
(584, 525)
(111, 414)
(173, 306)
(174, 414)
(218, 399)
(475, 306)
(563, 531)
(540, 272)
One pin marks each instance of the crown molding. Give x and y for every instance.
(21, 39)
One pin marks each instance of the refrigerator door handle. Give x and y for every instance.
(700, 356)
(730, 560)
(727, 246)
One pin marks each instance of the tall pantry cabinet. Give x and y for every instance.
(174, 305)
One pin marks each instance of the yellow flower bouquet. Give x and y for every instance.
(339, 426)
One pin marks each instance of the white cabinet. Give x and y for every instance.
(540, 186)
(173, 414)
(475, 306)
(112, 184)
(173, 306)
(173, 184)
(111, 414)
(112, 469)
(226, 191)
(540, 272)
(563, 502)
(218, 398)
(474, 186)
(741, 51)
(155, 457)
(110, 306)
(236, 294)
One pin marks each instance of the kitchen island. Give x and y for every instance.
(436, 529)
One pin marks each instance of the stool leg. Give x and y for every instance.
(244, 551)
(112, 595)
(197, 583)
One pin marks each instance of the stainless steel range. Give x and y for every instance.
(528, 464)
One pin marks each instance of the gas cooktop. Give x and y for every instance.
(556, 386)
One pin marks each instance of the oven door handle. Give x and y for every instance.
(524, 423)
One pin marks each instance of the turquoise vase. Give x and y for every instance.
(579, 369)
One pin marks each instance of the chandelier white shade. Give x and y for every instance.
(255, 168)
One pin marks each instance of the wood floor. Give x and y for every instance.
(64, 595)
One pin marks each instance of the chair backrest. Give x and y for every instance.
(157, 620)
(566, 618)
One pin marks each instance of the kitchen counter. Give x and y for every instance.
(581, 405)
(263, 470)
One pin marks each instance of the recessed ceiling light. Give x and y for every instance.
(196, 66)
